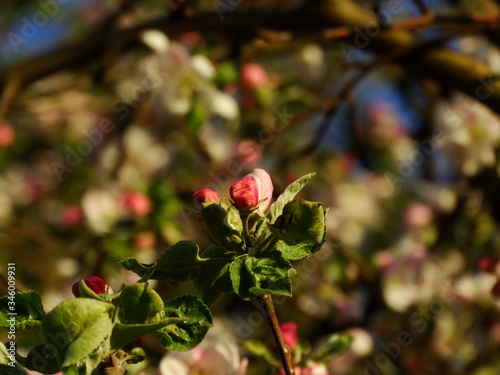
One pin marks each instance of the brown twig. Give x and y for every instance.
(284, 350)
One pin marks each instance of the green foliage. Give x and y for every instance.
(224, 225)
(139, 304)
(28, 309)
(177, 264)
(7, 367)
(332, 346)
(80, 333)
(213, 279)
(301, 221)
(77, 332)
(290, 193)
(254, 276)
(196, 320)
(250, 257)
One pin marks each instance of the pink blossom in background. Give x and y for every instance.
(418, 215)
(7, 135)
(488, 264)
(137, 203)
(289, 331)
(217, 355)
(253, 75)
(144, 240)
(248, 153)
(71, 217)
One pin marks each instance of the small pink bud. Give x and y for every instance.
(137, 203)
(205, 196)
(289, 331)
(7, 135)
(93, 282)
(253, 75)
(255, 190)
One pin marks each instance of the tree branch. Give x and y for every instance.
(448, 68)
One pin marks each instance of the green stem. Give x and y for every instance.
(246, 233)
(284, 350)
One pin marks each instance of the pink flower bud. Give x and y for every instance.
(289, 331)
(93, 282)
(137, 203)
(205, 196)
(255, 190)
(245, 193)
(253, 75)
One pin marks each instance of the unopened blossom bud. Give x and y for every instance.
(93, 282)
(245, 194)
(204, 196)
(255, 190)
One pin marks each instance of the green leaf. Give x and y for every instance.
(225, 226)
(125, 333)
(79, 331)
(333, 345)
(214, 279)
(299, 251)
(177, 264)
(28, 307)
(190, 332)
(260, 350)
(290, 192)
(8, 366)
(86, 292)
(301, 221)
(267, 273)
(302, 249)
(139, 304)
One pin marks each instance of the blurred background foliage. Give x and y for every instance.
(114, 112)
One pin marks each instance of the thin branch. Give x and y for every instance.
(329, 105)
(284, 350)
